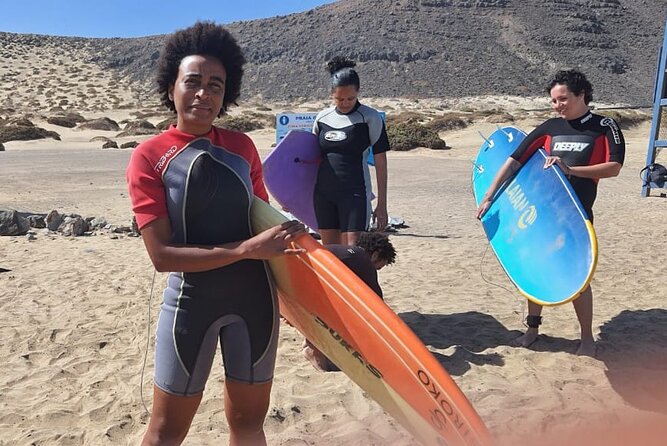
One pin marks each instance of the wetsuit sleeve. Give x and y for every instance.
(531, 143)
(378, 134)
(146, 190)
(615, 141)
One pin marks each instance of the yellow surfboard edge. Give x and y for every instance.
(594, 253)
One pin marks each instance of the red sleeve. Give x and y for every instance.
(146, 190)
(536, 139)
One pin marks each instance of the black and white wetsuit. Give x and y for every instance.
(588, 140)
(205, 187)
(341, 192)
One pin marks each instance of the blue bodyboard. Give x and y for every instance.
(536, 225)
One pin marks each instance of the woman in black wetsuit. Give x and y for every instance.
(345, 132)
(191, 189)
(587, 147)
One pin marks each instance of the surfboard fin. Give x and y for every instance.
(489, 142)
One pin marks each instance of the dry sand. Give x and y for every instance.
(74, 312)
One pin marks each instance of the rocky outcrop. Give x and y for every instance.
(407, 48)
(100, 124)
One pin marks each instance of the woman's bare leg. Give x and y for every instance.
(583, 306)
(246, 406)
(331, 237)
(350, 238)
(170, 419)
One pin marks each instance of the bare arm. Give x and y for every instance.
(603, 170)
(506, 171)
(167, 256)
(381, 175)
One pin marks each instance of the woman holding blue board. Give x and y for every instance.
(586, 147)
(345, 131)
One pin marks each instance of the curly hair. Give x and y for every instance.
(376, 242)
(342, 72)
(575, 81)
(203, 39)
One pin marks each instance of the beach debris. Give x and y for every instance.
(13, 222)
(277, 414)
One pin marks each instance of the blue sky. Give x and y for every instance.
(134, 18)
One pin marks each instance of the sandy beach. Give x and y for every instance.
(74, 311)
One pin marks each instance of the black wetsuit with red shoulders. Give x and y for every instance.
(205, 186)
(585, 141)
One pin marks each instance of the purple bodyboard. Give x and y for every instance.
(290, 173)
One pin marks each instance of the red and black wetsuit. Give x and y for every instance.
(205, 186)
(585, 141)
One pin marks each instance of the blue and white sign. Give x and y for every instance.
(293, 121)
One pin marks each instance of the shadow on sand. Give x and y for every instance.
(633, 347)
(469, 333)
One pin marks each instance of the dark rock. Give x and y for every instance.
(100, 124)
(12, 132)
(129, 145)
(110, 145)
(61, 121)
(97, 222)
(12, 223)
(74, 226)
(53, 220)
(139, 127)
(37, 221)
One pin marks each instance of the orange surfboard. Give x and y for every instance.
(356, 330)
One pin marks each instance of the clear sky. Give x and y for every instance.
(134, 18)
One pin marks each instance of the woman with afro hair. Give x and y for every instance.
(191, 189)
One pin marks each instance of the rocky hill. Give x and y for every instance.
(406, 48)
